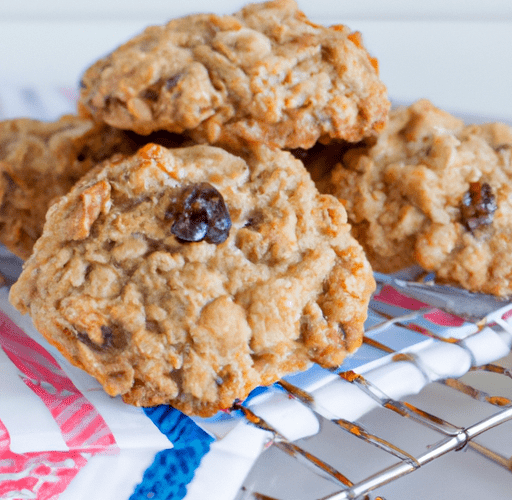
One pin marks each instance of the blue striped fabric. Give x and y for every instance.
(172, 470)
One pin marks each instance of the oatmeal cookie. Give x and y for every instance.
(265, 74)
(435, 192)
(190, 276)
(40, 161)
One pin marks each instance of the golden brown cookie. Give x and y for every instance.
(265, 74)
(435, 192)
(190, 276)
(40, 161)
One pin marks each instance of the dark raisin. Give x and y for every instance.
(254, 220)
(153, 92)
(108, 336)
(112, 103)
(113, 338)
(150, 95)
(200, 214)
(478, 206)
(172, 82)
(83, 154)
(109, 245)
(11, 184)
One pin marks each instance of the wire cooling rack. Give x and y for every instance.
(405, 445)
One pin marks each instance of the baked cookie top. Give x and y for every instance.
(190, 276)
(265, 74)
(40, 161)
(435, 192)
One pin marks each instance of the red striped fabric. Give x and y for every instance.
(82, 427)
(41, 475)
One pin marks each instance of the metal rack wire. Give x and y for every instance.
(448, 437)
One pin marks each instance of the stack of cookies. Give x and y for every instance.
(208, 220)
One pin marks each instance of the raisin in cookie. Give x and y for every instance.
(190, 276)
(435, 192)
(266, 74)
(40, 161)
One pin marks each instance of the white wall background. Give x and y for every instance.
(353, 9)
(458, 53)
